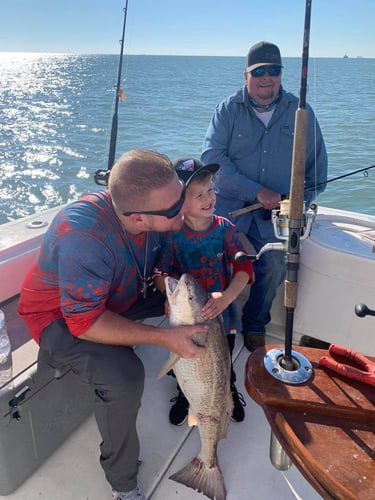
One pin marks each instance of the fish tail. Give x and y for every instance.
(203, 477)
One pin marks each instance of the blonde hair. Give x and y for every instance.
(136, 174)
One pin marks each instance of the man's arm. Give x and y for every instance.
(114, 329)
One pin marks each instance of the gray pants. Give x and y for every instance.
(117, 376)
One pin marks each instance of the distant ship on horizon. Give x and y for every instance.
(346, 56)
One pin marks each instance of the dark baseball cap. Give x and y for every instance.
(263, 54)
(188, 168)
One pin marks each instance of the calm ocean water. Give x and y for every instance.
(56, 113)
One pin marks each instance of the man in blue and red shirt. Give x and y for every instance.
(89, 284)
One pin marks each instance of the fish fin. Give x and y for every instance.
(172, 360)
(192, 419)
(200, 339)
(204, 477)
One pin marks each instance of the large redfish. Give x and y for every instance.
(205, 381)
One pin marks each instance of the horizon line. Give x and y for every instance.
(36, 52)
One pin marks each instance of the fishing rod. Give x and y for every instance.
(256, 206)
(365, 169)
(296, 200)
(101, 176)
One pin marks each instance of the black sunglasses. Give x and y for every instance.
(169, 213)
(262, 70)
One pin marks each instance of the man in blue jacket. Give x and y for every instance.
(250, 136)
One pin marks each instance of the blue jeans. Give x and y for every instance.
(269, 272)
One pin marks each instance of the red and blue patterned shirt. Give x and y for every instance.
(85, 267)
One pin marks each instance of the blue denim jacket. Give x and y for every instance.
(253, 156)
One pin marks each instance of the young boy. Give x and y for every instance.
(205, 247)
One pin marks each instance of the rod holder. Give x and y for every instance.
(279, 458)
(296, 370)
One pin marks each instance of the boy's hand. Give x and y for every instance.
(215, 305)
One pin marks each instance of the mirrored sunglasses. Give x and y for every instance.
(262, 70)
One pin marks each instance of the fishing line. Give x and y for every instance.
(365, 170)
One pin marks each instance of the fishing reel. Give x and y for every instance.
(280, 220)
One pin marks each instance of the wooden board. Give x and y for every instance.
(326, 425)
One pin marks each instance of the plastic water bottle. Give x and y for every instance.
(5, 354)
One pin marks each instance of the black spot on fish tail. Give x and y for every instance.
(203, 477)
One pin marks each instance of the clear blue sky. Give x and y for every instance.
(195, 27)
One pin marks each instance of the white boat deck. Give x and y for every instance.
(73, 470)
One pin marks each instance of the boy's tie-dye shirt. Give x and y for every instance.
(209, 257)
